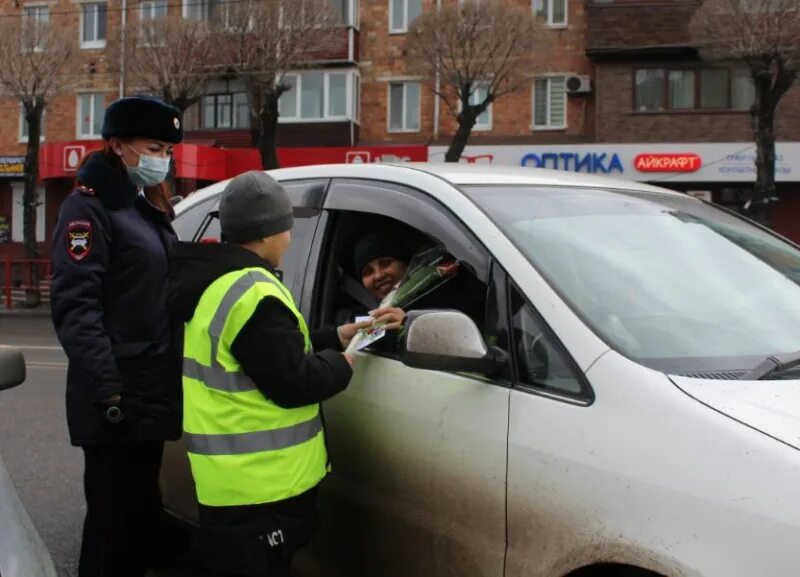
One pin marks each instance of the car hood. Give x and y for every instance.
(22, 552)
(772, 407)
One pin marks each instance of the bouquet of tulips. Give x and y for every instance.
(427, 271)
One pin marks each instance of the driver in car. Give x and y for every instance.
(398, 277)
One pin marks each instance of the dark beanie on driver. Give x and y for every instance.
(378, 245)
(254, 206)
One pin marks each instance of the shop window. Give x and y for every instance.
(402, 13)
(318, 96)
(554, 12)
(549, 103)
(18, 216)
(93, 25)
(91, 108)
(34, 21)
(404, 107)
(660, 89)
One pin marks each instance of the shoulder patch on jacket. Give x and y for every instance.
(83, 189)
(79, 239)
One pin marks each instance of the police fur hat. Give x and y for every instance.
(143, 117)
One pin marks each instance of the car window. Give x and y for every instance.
(674, 284)
(188, 222)
(542, 362)
(201, 223)
(410, 218)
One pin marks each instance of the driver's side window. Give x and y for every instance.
(542, 362)
(344, 294)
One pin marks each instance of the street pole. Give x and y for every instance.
(123, 31)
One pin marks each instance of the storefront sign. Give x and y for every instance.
(705, 162)
(5, 229)
(72, 157)
(351, 155)
(591, 162)
(667, 162)
(12, 166)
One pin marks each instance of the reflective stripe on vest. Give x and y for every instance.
(216, 376)
(243, 443)
(243, 448)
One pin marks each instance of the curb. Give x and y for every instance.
(23, 313)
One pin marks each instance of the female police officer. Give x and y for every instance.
(109, 306)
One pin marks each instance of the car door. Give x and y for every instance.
(201, 223)
(419, 457)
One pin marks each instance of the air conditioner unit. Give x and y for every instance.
(578, 84)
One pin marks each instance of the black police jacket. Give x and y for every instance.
(109, 307)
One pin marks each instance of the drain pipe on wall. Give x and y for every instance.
(122, 54)
(437, 88)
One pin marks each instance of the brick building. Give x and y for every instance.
(615, 87)
(397, 107)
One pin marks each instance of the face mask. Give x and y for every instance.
(151, 170)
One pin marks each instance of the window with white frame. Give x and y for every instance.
(318, 95)
(210, 10)
(91, 108)
(23, 125)
(34, 22)
(484, 120)
(549, 103)
(93, 24)
(554, 12)
(346, 11)
(402, 13)
(152, 10)
(404, 106)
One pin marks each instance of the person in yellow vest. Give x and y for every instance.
(253, 384)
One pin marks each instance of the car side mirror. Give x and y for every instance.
(12, 368)
(445, 340)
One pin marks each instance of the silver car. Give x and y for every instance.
(626, 403)
(22, 552)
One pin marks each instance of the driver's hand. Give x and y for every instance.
(391, 317)
(348, 331)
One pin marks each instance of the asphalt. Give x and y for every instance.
(35, 447)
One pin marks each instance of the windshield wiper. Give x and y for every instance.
(771, 365)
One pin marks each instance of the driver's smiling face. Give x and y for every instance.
(380, 275)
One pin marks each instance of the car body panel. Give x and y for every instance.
(772, 407)
(22, 552)
(628, 480)
(426, 485)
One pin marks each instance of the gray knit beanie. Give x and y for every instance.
(254, 206)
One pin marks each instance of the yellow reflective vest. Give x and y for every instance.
(243, 448)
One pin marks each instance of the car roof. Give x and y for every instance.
(452, 172)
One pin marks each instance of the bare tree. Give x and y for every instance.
(36, 59)
(764, 35)
(470, 50)
(262, 40)
(172, 58)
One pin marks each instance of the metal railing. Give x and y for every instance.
(26, 282)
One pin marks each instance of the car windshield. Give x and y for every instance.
(667, 280)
